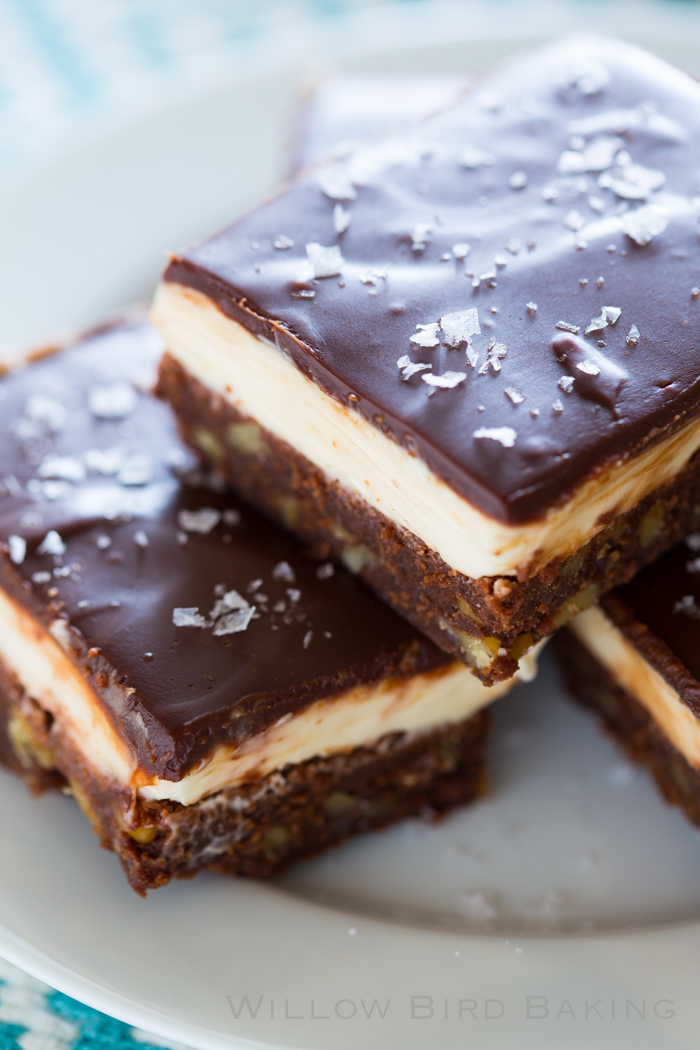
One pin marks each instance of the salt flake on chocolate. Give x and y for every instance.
(574, 221)
(18, 549)
(645, 223)
(447, 380)
(408, 368)
(336, 184)
(515, 396)
(283, 571)
(566, 327)
(341, 219)
(461, 251)
(633, 337)
(282, 243)
(66, 468)
(112, 400)
(597, 156)
(202, 520)
(420, 235)
(608, 315)
(426, 334)
(471, 157)
(460, 327)
(326, 262)
(505, 435)
(566, 383)
(631, 181)
(51, 544)
(687, 606)
(588, 368)
(189, 617)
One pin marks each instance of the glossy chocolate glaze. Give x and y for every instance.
(128, 563)
(345, 110)
(660, 611)
(538, 112)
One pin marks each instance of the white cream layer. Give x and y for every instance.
(636, 676)
(260, 382)
(360, 716)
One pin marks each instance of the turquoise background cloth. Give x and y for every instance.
(35, 1017)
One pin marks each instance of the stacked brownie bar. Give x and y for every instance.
(458, 364)
(210, 695)
(439, 359)
(463, 362)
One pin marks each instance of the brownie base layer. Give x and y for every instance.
(489, 622)
(628, 721)
(257, 828)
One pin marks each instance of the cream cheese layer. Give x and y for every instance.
(629, 669)
(261, 383)
(358, 717)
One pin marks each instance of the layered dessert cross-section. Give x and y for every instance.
(463, 360)
(210, 695)
(635, 660)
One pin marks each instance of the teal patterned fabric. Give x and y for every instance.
(68, 65)
(34, 1017)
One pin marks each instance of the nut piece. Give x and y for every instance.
(502, 588)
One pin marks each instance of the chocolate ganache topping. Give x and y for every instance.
(195, 618)
(510, 288)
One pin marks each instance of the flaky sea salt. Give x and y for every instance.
(46, 411)
(420, 235)
(564, 326)
(505, 435)
(447, 380)
(51, 544)
(588, 368)
(460, 327)
(566, 383)
(471, 157)
(189, 617)
(283, 571)
(283, 243)
(233, 622)
(202, 520)
(341, 218)
(574, 220)
(409, 368)
(461, 251)
(645, 223)
(633, 336)
(112, 400)
(608, 315)
(518, 180)
(426, 334)
(515, 396)
(67, 468)
(336, 184)
(18, 549)
(324, 572)
(326, 261)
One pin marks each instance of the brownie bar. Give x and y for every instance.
(258, 827)
(630, 724)
(448, 329)
(169, 653)
(636, 658)
(488, 623)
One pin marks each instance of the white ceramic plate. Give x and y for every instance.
(562, 911)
